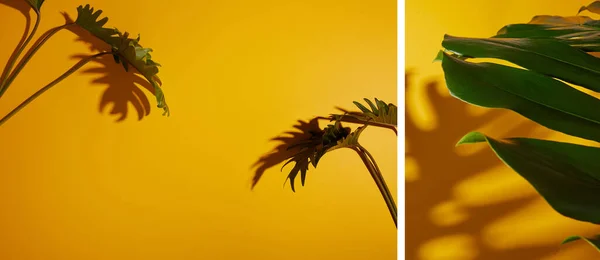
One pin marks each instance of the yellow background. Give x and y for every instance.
(76, 184)
(463, 203)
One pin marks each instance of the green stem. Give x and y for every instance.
(54, 82)
(379, 181)
(352, 120)
(29, 55)
(20, 49)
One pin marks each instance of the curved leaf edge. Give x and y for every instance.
(594, 242)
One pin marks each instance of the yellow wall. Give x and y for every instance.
(76, 184)
(463, 203)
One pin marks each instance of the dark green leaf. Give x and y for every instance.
(35, 4)
(595, 242)
(381, 115)
(129, 49)
(542, 99)
(566, 175)
(549, 57)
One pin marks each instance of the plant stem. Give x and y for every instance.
(356, 121)
(20, 49)
(51, 84)
(29, 55)
(379, 181)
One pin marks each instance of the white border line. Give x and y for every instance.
(401, 131)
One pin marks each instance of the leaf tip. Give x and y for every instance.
(570, 239)
(439, 57)
(472, 137)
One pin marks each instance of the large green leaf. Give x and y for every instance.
(549, 57)
(566, 175)
(128, 51)
(542, 99)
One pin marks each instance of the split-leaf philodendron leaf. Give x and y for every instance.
(378, 113)
(126, 50)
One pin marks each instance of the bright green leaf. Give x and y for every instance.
(471, 138)
(542, 99)
(566, 175)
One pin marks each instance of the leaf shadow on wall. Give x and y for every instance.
(122, 87)
(441, 169)
(283, 152)
(24, 9)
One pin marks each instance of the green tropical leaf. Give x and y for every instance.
(550, 57)
(566, 175)
(593, 7)
(346, 141)
(311, 148)
(379, 114)
(581, 32)
(542, 99)
(35, 4)
(126, 50)
(595, 242)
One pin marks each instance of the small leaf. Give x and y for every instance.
(361, 107)
(373, 107)
(471, 138)
(593, 7)
(439, 56)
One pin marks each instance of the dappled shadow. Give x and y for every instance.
(122, 87)
(284, 151)
(24, 9)
(441, 168)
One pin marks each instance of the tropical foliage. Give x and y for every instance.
(308, 146)
(126, 51)
(551, 52)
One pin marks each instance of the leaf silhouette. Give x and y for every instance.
(441, 168)
(308, 146)
(123, 87)
(127, 51)
(307, 133)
